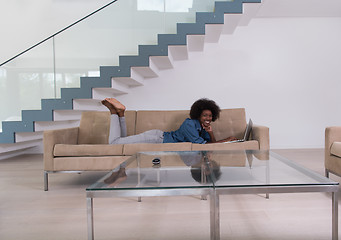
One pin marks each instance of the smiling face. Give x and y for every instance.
(205, 118)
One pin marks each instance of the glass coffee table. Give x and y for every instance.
(209, 173)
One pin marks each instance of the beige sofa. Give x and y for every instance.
(332, 150)
(86, 148)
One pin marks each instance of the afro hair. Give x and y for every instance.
(204, 104)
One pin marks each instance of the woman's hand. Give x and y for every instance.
(230, 139)
(207, 128)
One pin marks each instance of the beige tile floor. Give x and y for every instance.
(28, 212)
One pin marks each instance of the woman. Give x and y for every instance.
(196, 129)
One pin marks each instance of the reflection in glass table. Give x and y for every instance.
(209, 173)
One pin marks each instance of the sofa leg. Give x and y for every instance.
(46, 181)
(326, 172)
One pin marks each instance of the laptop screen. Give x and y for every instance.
(248, 130)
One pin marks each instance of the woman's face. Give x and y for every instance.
(205, 118)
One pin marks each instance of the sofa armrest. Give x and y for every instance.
(52, 137)
(261, 134)
(332, 134)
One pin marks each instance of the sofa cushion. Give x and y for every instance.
(130, 117)
(248, 145)
(130, 149)
(194, 158)
(162, 120)
(232, 122)
(336, 149)
(94, 128)
(63, 150)
(95, 163)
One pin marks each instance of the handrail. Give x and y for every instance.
(71, 25)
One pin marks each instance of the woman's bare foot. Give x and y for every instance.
(119, 107)
(109, 106)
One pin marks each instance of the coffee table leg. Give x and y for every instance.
(335, 215)
(214, 216)
(90, 211)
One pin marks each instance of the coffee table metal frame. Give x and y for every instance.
(90, 195)
(279, 189)
(214, 192)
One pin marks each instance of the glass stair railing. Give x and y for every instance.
(115, 43)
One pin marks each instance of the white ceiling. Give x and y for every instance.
(300, 8)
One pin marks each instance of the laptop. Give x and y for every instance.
(246, 134)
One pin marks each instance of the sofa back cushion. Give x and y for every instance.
(94, 127)
(232, 122)
(163, 120)
(130, 149)
(130, 117)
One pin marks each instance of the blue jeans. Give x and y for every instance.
(118, 133)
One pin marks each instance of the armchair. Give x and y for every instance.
(332, 150)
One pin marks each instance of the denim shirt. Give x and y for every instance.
(189, 131)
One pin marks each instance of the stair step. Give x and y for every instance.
(24, 137)
(89, 104)
(131, 82)
(178, 52)
(43, 126)
(213, 32)
(147, 72)
(250, 10)
(231, 22)
(134, 80)
(162, 62)
(12, 147)
(68, 115)
(101, 93)
(65, 115)
(118, 87)
(195, 43)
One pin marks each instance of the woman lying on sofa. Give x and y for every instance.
(196, 129)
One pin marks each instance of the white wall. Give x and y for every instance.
(284, 71)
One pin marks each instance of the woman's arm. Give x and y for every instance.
(209, 130)
(189, 132)
(227, 139)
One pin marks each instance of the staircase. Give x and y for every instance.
(132, 71)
